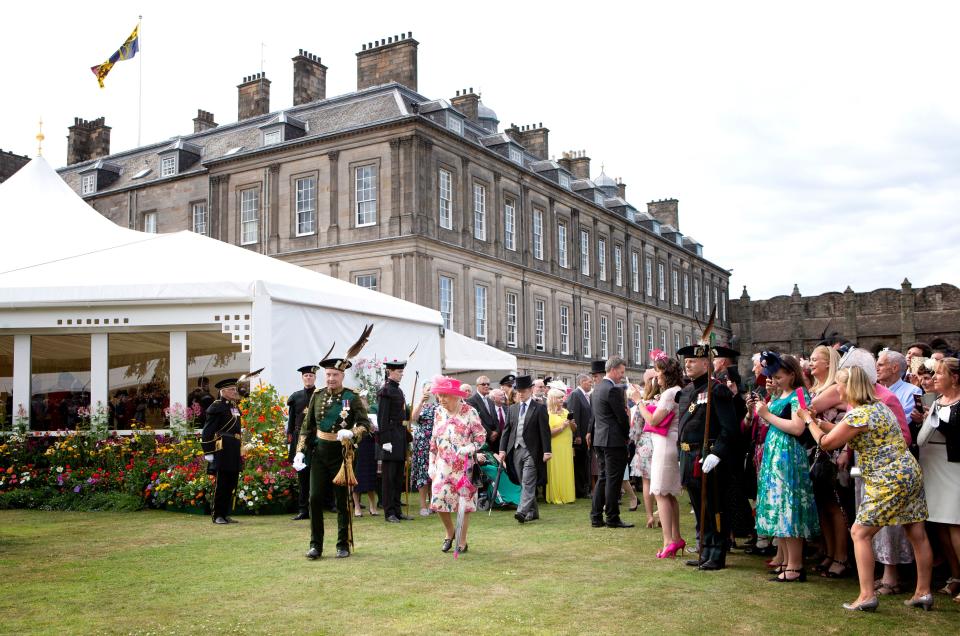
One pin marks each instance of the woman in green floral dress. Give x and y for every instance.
(785, 504)
(893, 483)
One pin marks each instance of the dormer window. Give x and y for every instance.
(454, 123)
(272, 137)
(88, 184)
(598, 198)
(168, 166)
(515, 155)
(564, 181)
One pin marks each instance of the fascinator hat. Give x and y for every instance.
(771, 362)
(443, 385)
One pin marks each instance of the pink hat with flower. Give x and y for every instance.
(443, 385)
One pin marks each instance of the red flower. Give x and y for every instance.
(261, 419)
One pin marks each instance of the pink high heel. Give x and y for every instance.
(672, 549)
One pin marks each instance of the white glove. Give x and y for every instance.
(388, 447)
(344, 433)
(298, 462)
(209, 458)
(710, 462)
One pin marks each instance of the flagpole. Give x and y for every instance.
(140, 79)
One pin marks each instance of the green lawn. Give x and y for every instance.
(166, 573)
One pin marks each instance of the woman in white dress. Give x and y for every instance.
(665, 464)
(939, 442)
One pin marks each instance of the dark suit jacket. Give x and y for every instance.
(611, 425)
(536, 436)
(581, 411)
(487, 418)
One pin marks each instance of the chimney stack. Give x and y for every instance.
(87, 140)
(666, 211)
(393, 59)
(203, 121)
(622, 189)
(577, 162)
(309, 78)
(253, 96)
(467, 103)
(535, 140)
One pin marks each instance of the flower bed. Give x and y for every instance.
(160, 471)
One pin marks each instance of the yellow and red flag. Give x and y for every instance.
(125, 52)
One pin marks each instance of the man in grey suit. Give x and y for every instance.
(525, 447)
(611, 429)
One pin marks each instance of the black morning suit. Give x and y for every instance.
(391, 412)
(296, 406)
(487, 418)
(579, 408)
(221, 437)
(611, 434)
(724, 433)
(536, 436)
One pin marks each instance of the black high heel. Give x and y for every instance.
(447, 544)
(801, 578)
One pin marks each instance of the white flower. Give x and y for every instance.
(59, 469)
(250, 503)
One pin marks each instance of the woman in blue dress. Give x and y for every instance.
(785, 504)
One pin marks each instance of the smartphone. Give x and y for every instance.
(918, 401)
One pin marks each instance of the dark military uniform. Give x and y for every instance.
(221, 437)
(391, 413)
(296, 407)
(723, 443)
(329, 412)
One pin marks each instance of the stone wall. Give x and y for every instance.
(876, 319)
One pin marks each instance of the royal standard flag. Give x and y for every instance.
(125, 52)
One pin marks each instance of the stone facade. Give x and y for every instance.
(11, 162)
(880, 318)
(381, 191)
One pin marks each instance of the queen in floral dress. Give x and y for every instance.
(457, 436)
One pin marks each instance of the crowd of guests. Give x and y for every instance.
(838, 464)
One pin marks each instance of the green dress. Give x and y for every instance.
(785, 504)
(892, 479)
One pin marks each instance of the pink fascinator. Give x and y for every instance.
(657, 355)
(443, 385)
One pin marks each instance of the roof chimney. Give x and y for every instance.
(253, 96)
(622, 189)
(388, 61)
(87, 140)
(666, 211)
(534, 139)
(467, 103)
(203, 121)
(309, 78)
(579, 164)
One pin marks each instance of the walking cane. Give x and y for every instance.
(496, 485)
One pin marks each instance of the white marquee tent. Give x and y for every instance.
(65, 269)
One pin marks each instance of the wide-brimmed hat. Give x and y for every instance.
(443, 385)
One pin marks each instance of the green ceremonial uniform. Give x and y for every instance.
(329, 412)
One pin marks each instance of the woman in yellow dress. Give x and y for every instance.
(560, 486)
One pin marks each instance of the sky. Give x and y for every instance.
(812, 143)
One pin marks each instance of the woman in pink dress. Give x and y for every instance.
(457, 436)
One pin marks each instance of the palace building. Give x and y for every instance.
(429, 200)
